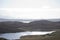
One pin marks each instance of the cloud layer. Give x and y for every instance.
(30, 9)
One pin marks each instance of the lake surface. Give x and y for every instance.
(19, 34)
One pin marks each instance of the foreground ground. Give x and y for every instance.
(53, 36)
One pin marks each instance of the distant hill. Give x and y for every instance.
(54, 20)
(19, 20)
(36, 25)
(9, 26)
(43, 25)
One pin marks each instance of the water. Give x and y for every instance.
(19, 34)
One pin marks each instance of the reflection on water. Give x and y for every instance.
(19, 34)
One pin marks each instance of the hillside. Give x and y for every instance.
(53, 36)
(43, 25)
(38, 25)
(9, 26)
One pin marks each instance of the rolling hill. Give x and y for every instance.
(36, 25)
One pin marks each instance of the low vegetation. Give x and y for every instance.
(53, 36)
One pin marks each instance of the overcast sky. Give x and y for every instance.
(30, 9)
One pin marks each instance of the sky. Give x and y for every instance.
(30, 9)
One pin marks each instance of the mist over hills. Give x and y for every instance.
(53, 20)
(18, 25)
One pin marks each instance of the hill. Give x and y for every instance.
(9, 26)
(37, 25)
